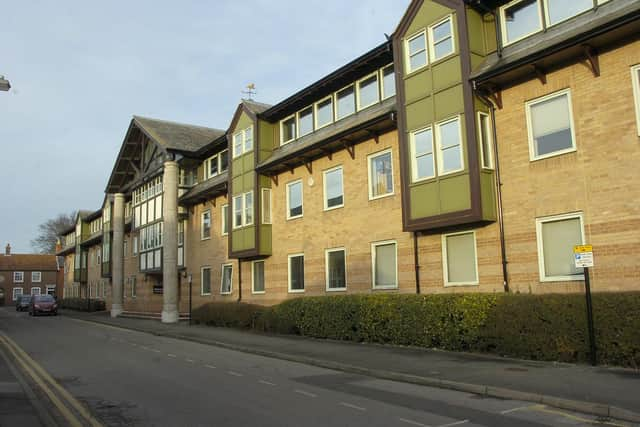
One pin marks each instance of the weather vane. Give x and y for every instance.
(251, 90)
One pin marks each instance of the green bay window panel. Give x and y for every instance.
(368, 91)
(560, 10)
(266, 206)
(345, 102)
(450, 146)
(551, 125)
(385, 266)
(205, 288)
(442, 39)
(333, 188)
(461, 258)
(423, 165)
(305, 121)
(381, 178)
(258, 276)
(227, 278)
(336, 270)
(417, 51)
(388, 81)
(558, 239)
(521, 19)
(296, 273)
(324, 112)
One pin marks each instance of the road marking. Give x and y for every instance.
(133, 344)
(457, 423)
(305, 393)
(155, 351)
(349, 405)
(144, 347)
(189, 360)
(210, 366)
(266, 383)
(235, 374)
(543, 408)
(171, 355)
(520, 408)
(415, 423)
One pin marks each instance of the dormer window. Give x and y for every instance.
(216, 164)
(561, 10)
(368, 91)
(345, 102)
(324, 112)
(519, 19)
(288, 129)
(242, 142)
(305, 121)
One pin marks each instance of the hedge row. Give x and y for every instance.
(537, 327)
(81, 304)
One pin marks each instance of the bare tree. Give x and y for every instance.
(48, 232)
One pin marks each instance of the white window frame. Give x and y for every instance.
(13, 292)
(439, 150)
(19, 274)
(266, 193)
(253, 277)
(445, 261)
(335, 102)
(414, 160)
(407, 54)
(49, 288)
(326, 269)
(533, 102)
(383, 91)
(324, 187)
(135, 245)
(294, 291)
(289, 184)
(503, 27)
(245, 223)
(489, 132)
(224, 220)
(202, 236)
(547, 16)
(315, 112)
(313, 121)
(370, 159)
(635, 82)
(222, 279)
(39, 289)
(239, 153)
(202, 269)
(295, 133)
(357, 87)
(374, 245)
(431, 40)
(555, 218)
(248, 129)
(33, 277)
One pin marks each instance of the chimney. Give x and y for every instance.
(7, 250)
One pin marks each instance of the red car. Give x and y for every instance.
(43, 304)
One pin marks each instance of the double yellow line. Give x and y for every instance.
(73, 411)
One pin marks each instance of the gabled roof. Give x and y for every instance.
(82, 214)
(255, 107)
(28, 262)
(177, 136)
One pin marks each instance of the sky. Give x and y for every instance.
(79, 71)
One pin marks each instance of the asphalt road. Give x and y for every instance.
(128, 378)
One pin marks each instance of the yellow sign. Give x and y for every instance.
(582, 248)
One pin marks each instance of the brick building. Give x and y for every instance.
(468, 153)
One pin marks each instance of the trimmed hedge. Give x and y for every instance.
(81, 304)
(538, 327)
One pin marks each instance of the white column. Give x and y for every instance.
(170, 243)
(117, 252)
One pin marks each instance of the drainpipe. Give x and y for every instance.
(416, 261)
(239, 280)
(503, 247)
(479, 4)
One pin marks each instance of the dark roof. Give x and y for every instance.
(570, 34)
(28, 262)
(93, 215)
(83, 214)
(256, 107)
(177, 136)
(206, 189)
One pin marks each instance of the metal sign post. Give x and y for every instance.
(190, 297)
(584, 258)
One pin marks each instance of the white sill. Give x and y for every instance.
(257, 292)
(371, 198)
(411, 72)
(334, 207)
(452, 172)
(287, 142)
(454, 284)
(296, 291)
(422, 180)
(294, 217)
(554, 154)
(336, 289)
(576, 278)
(506, 42)
(205, 238)
(384, 288)
(226, 293)
(364, 107)
(344, 117)
(324, 125)
(205, 295)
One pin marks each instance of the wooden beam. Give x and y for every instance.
(274, 178)
(308, 163)
(540, 73)
(351, 149)
(495, 95)
(374, 135)
(290, 166)
(134, 166)
(327, 153)
(592, 59)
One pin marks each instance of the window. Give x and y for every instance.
(223, 160)
(485, 134)
(248, 139)
(257, 277)
(135, 245)
(635, 80)
(388, 81)
(368, 91)
(266, 206)
(561, 10)
(227, 279)
(296, 273)
(550, 125)
(224, 218)
(217, 164)
(16, 293)
(384, 262)
(36, 276)
(248, 208)
(449, 139)
(336, 269)
(18, 276)
(205, 225)
(324, 112)
(35, 291)
(51, 289)
(237, 144)
(237, 211)
(519, 19)
(423, 166)
(345, 102)
(441, 39)
(242, 142)
(134, 286)
(333, 192)
(294, 199)
(205, 281)
(557, 236)
(380, 175)
(416, 52)
(98, 255)
(288, 129)
(305, 121)
(459, 260)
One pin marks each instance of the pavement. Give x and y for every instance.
(602, 391)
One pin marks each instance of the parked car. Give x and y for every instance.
(43, 304)
(22, 303)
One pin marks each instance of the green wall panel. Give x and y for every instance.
(455, 193)
(447, 73)
(427, 15)
(265, 239)
(425, 200)
(449, 103)
(418, 84)
(420, 114)
(488, 191)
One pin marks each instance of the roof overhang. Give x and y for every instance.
(207, 190)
